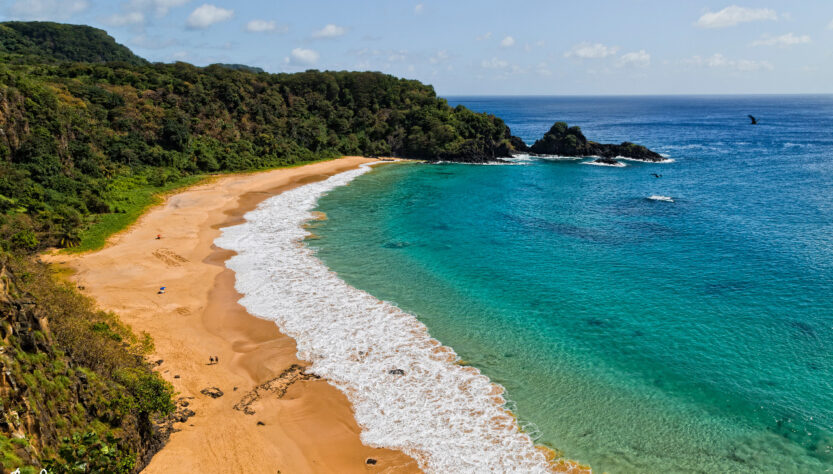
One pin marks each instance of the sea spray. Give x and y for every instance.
(407, 391)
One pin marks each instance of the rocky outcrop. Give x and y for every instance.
(563, 140)
(560, 140)
(607, 160)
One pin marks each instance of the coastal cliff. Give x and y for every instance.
(77, 395)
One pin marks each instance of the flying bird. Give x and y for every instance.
(753, 119)
(656, 175)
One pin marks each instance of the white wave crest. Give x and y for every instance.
(450, 418)
(596, 163)
(657, 197)
(665, 160)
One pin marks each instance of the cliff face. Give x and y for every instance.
(54, 411)
(563, 140)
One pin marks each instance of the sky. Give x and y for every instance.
(487, 47)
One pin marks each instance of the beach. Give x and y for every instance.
(272, 416)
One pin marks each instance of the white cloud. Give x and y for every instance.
(507, 41)
(419, 8)
(494, 63)
(830, 25)
(206, 15)
(484, 36)
(720, 61)
(47, 9)
(302, 57)
(543, 69)
(639, 58)
(160, 7)
(788, 39)
(440, 57)
(735, 15)
(591, 51)
(129, 18)
(330, 31)
(261, 26)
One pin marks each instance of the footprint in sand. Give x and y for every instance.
(182, 311)
(169, 257)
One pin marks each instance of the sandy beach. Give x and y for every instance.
(272, 417)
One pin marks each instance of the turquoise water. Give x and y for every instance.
(632, 334)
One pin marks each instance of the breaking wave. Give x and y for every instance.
(407, 391)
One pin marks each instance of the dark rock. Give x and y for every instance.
(396, 372)
(563, 140)
(370, 461)
(518, 144)
(183, 415)
(176, 376)
(212, 392)
(606, 160)
(260, 423)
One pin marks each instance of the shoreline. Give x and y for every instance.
(298, 423)
(407, 390)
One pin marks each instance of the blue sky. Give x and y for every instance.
(486, 46)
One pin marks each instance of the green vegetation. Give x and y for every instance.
(77, 386)
(90, 136)
(84, 142)
(131, 199)
(43, 41)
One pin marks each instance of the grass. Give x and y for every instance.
(132, 196)
(132, 201)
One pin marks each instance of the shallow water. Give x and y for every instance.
(633, 333)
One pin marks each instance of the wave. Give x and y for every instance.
(448, 417)
(658, 197)
(596, 163)
(665, 160)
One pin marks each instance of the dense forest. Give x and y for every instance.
(74, 134)
(89, 133)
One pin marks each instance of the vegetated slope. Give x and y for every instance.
(47, 41)
(76, 394)
(88, 132)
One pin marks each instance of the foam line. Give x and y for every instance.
(450, 418)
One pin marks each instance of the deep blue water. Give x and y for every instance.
(632, 334)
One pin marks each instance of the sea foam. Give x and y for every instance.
(448, 417)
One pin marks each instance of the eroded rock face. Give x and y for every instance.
(563, 140)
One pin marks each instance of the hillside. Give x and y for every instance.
(89, 133)
(47, 41)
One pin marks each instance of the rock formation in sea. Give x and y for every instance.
(563, 140)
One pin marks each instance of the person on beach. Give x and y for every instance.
(161, 290)
(158, 236)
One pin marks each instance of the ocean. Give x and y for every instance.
(638, 324)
